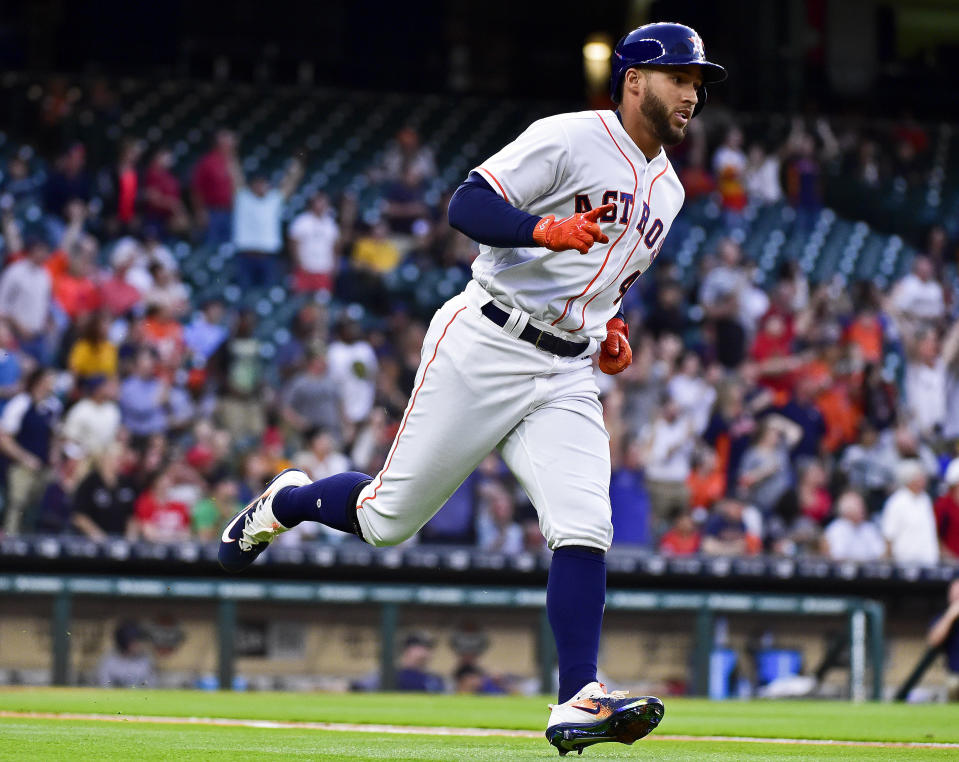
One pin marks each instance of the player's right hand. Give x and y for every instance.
(578, 231)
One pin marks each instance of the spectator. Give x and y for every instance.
(725, 532)
(947, 513)
(27, 428)
(257, 224)
(917, 299)
(496, 528)
(143, 398)
(707, 481)
(240, 409)
(666, 447)
(25, 294)
(908, 522)
(212, 189)
(119, 293)
(322, 457)
(160, 517)
(405, 204)
(682, 539)
(925, 384)
(163, 205)
(130, 664)
(693, 393)
(120, 187)
(93, 355)
(851, 536)
(761, 176)
(867, 467)
(949, 357)
(68, 182)
(944, 634)
(103, 503)
(312, 399)
(376, 253)
(93, 423)
(314, 239)
(412, 674)
(353, 366)
(12, 363)
(765, 472)
(207, 332)
(729, 165)
(878, 398)
(406, 154)
(167, 292)
(210, 513)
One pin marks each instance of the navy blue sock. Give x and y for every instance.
(328, 501)
(575, 596)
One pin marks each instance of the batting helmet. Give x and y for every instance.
(662, 44)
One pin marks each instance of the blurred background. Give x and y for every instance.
(224, 233)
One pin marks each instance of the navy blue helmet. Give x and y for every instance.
(662, 44)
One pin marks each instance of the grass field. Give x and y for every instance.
(151, 725)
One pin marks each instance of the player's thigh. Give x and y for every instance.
(560, 455)
(459, 411)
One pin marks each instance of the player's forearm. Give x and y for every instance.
(476, 210)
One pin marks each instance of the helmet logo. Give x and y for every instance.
(698, 50)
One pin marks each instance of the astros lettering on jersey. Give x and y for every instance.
(572, 163)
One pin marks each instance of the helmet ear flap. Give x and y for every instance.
(700, 100)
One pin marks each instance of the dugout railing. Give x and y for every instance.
(865, 617)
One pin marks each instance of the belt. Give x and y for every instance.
(539, 339)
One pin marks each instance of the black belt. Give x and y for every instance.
(539, 339)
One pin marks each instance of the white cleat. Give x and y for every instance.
(251, 531)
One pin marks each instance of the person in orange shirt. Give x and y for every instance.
(706, 481)
(75, 289)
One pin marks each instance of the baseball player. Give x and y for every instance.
(568, 215)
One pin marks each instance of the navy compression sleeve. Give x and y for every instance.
(476, 210)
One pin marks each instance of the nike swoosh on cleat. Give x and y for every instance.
(226, 532)
(594, 709)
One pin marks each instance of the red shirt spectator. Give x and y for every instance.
(161, 520)
(947, 511)
(212, 181)
(682, 539)
(161, 187)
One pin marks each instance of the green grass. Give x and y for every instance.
(38, 739)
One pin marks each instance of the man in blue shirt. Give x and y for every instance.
(944, 634)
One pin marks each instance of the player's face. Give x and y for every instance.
(669, 99)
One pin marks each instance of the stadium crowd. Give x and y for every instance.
(752, 419)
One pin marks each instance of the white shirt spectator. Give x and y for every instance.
(257, 221)
(729, 158)
(670, 447)
(354, 366)
(918, 298)
(25, 289)
(849, 541)
(315, 236)
(695, 397)
(92, 425)
(925, 387)
(909, 524)
(762, 182)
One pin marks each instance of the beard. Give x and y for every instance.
(658, 116)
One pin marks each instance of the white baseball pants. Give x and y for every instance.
(478, 389)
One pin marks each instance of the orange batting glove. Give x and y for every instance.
(615, 355)
(578, 231)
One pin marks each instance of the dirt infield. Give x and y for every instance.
(442, 731)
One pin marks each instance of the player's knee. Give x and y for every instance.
(387, 535)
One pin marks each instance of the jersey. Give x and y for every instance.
(567, 164)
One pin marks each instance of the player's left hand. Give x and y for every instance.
(615, 354)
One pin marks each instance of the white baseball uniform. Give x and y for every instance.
(480, 388)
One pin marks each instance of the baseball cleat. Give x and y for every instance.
(250, 532)
(595, 716)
